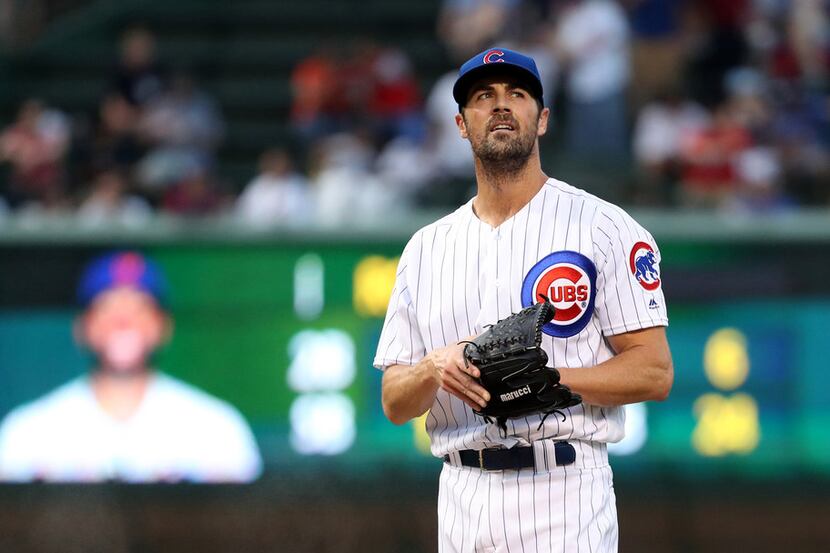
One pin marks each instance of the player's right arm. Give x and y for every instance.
(412, 375)
(408, 391)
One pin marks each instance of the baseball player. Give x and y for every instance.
(544, 484)
(125, 420)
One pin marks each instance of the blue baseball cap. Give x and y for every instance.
(496, 59)
(124, 268)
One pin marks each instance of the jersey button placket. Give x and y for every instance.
(496, 238)
(489, 279)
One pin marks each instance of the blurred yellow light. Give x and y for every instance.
(374, 278)
(419, 431)
(725, 359)
(726, 425)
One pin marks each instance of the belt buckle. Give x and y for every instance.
(481, 462)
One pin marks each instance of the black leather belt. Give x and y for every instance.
(513, 458)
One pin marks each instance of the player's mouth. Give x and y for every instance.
(502, 126)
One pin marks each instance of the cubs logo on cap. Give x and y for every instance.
(644, 265)
(124, 268)
(493, 56)
(569, 280)
(497, 59)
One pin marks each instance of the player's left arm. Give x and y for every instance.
(642, 370)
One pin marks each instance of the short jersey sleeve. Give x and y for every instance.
(400, 340)
(629, 283)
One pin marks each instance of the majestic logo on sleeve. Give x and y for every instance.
(494, 56)
(644, 265)
(569, 279)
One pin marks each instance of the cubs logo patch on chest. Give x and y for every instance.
(569, 279)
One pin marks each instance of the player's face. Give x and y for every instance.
(123, 326)
(502, 120)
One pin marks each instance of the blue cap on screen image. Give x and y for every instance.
(497, 60)
(125, 268)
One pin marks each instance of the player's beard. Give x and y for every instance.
(124, 354)
(504, 154)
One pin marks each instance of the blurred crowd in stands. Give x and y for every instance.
(150, 145)
(691, 103)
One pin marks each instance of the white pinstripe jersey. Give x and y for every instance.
(458, 275)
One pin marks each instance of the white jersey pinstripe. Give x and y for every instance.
(458, 275)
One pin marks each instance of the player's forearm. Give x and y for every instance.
(637, 374)
(408, 391)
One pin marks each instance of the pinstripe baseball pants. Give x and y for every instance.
(561, 510)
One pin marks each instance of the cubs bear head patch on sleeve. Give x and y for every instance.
(644, 264)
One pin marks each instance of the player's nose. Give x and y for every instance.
(501, 106)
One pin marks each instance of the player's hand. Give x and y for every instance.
(456, 376)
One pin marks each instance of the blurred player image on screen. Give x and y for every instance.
(125, 420)
(538, 482)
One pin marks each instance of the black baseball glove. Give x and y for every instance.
(512, 364)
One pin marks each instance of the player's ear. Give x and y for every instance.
(167, 333)
(162, 329)
(462, 125)
(79, 329)
(544, 115)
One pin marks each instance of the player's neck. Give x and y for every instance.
(120, 395)
(501, 194)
